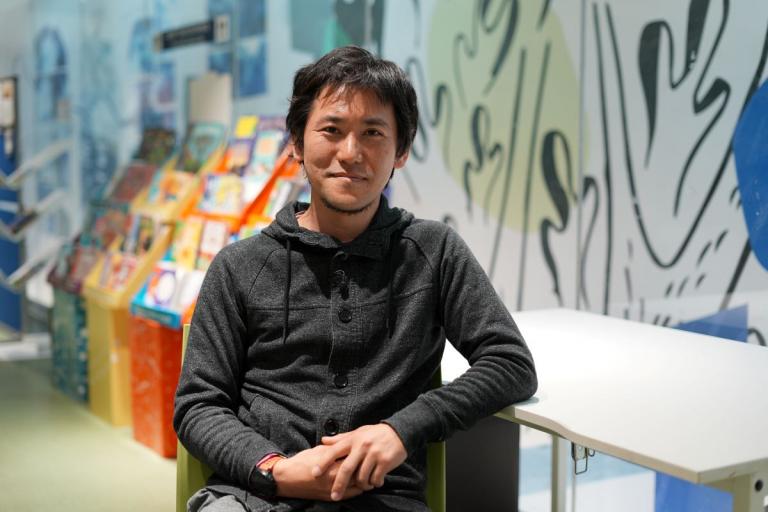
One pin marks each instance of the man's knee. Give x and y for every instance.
(205, 500)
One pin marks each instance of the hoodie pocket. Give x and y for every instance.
(260, 415)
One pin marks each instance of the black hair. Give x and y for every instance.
(357, 69)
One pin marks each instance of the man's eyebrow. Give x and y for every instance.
(370, 121)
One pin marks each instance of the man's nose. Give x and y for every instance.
(350, 149)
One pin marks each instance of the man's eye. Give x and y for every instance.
(373, 133)
(331, 129)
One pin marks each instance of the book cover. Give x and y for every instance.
(168, 186)
(187, 241)
(146, 235)
(202, 140)
(267, 150)
(187, 290)
(135, 178)
(156, 145)
(239, 154)
(123, 266)
(214, 238)
(162, 284)
(223, 194)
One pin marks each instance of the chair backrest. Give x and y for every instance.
(191, 474)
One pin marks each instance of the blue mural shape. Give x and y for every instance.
(253, 18)
(731, 324)
(156, 78)
(751, 154)
(673, 494)
(252, 65)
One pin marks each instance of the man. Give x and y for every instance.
(306, 379)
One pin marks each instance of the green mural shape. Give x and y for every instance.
(507, 94)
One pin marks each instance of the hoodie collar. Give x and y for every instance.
(372, 243)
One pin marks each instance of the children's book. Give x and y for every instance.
(215, 237)
(162, 285)
(202, 140)
(168, 186)
(146, 235)
(187, 290)
(136, 178)
(268, 145)
(223, 194)
(187, 241)
(239, 154)
(156, 145)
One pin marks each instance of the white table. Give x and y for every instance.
(689, 405)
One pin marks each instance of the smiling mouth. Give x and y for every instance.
(353, 177)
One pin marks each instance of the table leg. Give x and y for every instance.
(561, 457)
(748, 491)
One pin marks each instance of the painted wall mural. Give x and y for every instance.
(606, 158)
(603, 155)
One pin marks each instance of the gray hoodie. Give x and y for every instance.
(296, 336)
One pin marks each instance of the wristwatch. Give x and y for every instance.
(262, 481)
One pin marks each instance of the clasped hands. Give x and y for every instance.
(342, 466)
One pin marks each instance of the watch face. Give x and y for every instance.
(263, 483)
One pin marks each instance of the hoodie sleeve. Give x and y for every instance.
(208, 396)
(478, 324)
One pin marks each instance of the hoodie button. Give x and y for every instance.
(331, 427)
(340, 380)
(345, 315)
(339, 279)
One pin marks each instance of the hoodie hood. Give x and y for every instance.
(371, 243)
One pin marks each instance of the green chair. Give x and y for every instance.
(191, 474)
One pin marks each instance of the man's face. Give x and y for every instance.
(350, 142)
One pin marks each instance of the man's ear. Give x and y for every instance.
(298, 154)
(402, 159)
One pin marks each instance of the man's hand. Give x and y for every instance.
(369, 453)
(295, 477)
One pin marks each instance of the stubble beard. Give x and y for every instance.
(344, 211)
(330, 205)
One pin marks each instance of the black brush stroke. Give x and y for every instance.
(529, 173)
(506, 41)
(443, 106)
(718, 88)
(559, 198)
(648, 59)
(745, 252)
(607, 154)
(718, 176)
(720, 239)
(544, 13)
(703, 253)
(628, 284)
(758, 335)
(510, 157)
(590, 185)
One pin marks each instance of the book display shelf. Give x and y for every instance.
(128, 261)
(255, 159)
(107, 219)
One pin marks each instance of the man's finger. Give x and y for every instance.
(377, 476)
(364, 473)
(331, 440)
(327, 458)
(346, 470)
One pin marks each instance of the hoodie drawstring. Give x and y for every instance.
(390, 322)
(287, 288)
